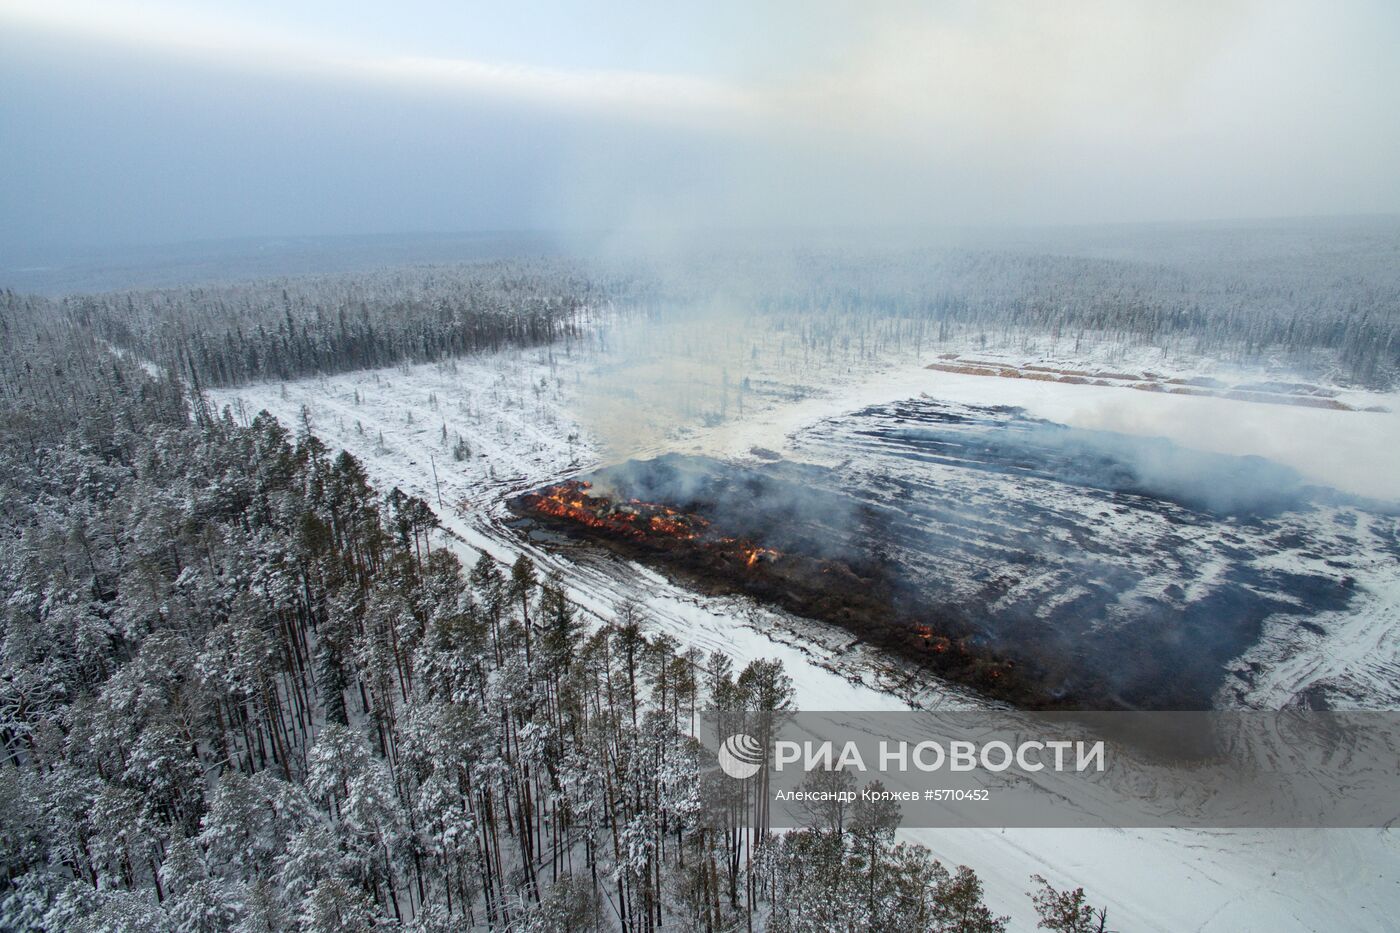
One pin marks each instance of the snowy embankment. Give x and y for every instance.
(517, 412)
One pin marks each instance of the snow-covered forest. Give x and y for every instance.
(243, 689)
(1321, 300)
(626, 467)
(222, 336)
(248, 682)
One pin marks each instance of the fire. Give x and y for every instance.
(936, 643)
(573, 501)
(670, 526)
(752, 555)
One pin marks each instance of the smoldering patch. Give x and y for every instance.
(1040, 565)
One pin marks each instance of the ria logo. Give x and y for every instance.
(741, 756)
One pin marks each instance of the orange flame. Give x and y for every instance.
(638, 520)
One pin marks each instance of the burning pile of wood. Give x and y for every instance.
(649, 523)
(859, 595)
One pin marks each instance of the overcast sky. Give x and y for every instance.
(127, 121)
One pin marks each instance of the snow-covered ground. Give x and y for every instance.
(532, 416)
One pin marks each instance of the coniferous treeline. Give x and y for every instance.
(1324, 305)
(1327, 304)
(1327, 318)
(223, 335)
(241, 689)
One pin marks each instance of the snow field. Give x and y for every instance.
(527, 417)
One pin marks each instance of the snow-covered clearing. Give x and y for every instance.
(532, 416)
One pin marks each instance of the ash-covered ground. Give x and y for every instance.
(1041, 564)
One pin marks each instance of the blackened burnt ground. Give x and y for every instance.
(1044, 566)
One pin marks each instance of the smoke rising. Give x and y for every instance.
(790, 507)
(1149, 466)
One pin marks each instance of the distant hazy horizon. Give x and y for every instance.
(146, 121)
(55, 271)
